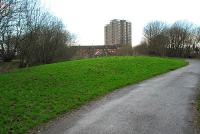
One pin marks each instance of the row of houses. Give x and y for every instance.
(96, 51)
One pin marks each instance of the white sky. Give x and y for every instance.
(87, 18)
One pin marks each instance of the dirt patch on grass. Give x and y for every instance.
(8, 66)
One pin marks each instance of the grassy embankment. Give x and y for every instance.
(34, 95)
(198, 109)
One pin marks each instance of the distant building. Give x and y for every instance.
(95, 51)
(118, 32)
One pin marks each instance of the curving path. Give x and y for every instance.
(161, 105)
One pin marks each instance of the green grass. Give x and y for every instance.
(34, 95)
(198, 109)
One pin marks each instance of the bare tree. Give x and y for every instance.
(11, 19)
(32, 33)
(155, 34)
(182, 39)
(142, 48)
(195, 42)
(45, 39)
(6, 27)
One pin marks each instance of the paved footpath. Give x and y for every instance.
(161, 105)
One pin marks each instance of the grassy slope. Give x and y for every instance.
(31, 96)
(198, 109)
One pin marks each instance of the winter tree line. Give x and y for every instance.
(181, 39)
(32, 33)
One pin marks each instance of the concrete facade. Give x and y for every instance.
(118, 32)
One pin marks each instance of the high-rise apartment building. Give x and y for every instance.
(118, 32)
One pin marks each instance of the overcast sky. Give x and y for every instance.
(87, 18)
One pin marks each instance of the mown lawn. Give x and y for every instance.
(34, 95)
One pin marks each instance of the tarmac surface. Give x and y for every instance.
(161, 105)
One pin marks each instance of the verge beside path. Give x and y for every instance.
(161, 105)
